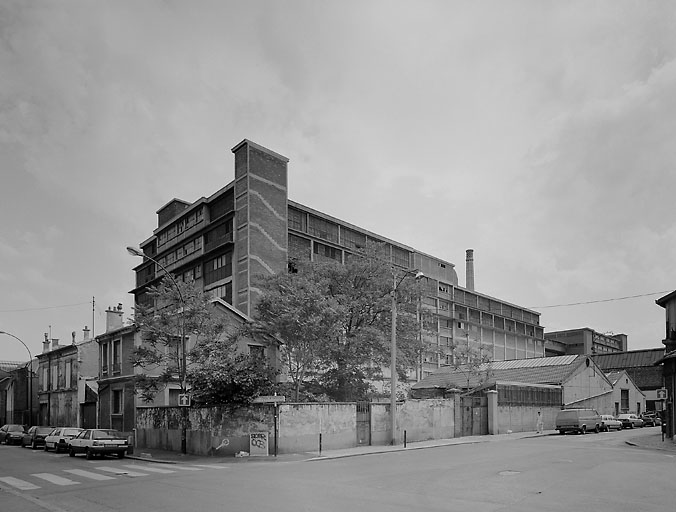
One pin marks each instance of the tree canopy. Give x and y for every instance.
(215, 372)
(335, 322)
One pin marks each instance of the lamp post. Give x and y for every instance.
(29, 375)
(135, 252)
(393, 349)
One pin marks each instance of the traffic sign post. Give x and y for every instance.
(662, 394)
(184, 400)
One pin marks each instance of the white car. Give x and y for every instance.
(59, 438)
(608, 422)
(100, 441)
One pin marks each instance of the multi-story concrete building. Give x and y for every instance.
(63, 374)
(250, 227)
(584, 341)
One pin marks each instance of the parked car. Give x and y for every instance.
(578, 420)
(59, 438)
(630, 420)
(651, 419)
(11, 433)
(35, 437)
(608, 422)
(100, 441)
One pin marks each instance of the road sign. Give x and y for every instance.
(662, 394)
(184, 400)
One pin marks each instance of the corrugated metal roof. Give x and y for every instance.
(541, 370)
(10, 366)
(629, 359)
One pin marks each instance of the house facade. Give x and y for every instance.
(18, 395)
(62, 372)
(627, 396)
(250, 227)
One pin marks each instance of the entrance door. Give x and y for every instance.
(89, 415)
(364, 423)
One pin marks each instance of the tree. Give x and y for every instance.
(295, 308)
(213, 369)
(473, 361)
(335, 321)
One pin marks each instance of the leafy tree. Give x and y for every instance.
(471, 359)
(335, 321)
(213, 369)
(296, 309)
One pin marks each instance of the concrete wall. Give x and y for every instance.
(524, 418)
(221, 431)
(589, 381)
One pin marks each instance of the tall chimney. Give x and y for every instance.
(55, 343)
(469, 273)
(45, 344)
(85, 333)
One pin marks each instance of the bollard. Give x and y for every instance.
(320, 444)
(404, 439)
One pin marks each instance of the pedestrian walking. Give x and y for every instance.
(540, 425)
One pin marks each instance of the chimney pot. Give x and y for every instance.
(55, 343)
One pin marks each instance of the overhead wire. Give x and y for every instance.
(601, 300)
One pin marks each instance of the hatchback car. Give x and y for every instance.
(95, 441)
(650, 419)
(35, 437)
(630, 420)
(59, 438)
(608, 422)
(12, 434)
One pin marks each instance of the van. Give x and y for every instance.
(578, 420)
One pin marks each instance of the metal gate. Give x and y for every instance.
(364, 423)
(473, 415)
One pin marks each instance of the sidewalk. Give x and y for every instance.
(168, 457)
(653, 442)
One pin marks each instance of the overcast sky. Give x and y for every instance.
(540, 134)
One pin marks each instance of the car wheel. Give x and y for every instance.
(597, 429)
(120, 455)
(583, 430)
(88, 454)
(46, 447)
(56, 448)
(71, 452)
(632, 426)
(34, 446)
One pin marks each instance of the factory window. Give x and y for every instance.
(322, 228)
(218, 268)
(297, 220)
(325, 251)
(352, 239)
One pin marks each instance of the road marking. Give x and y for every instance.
(188, 468)
(211, 466)
(19, 484)
(119, 471)
(148, 468)
(55, 479)
(89, 474)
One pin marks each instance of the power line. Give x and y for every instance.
(43, 308)
(602, 300)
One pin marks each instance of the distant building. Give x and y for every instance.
(627, 396)
(640, 367)
(15, 403)
(63, 371)
(583, 341)
(250, 227)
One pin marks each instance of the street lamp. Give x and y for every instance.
(393, 348)
(135, 252)
(29, 374)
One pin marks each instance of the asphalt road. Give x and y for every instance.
(550, 473)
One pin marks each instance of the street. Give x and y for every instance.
(572, 472)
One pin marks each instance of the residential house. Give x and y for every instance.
(18, 392)
(63, 371)
(627, 396)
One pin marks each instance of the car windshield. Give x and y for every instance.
(70, 431)
(43, 430)
(106, 434)
(15, 428)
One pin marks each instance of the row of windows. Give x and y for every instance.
(58, 376)
(218, 268)
(181, 252)
(223, 291)
(180, 226)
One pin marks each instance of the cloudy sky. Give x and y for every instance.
(540, 134)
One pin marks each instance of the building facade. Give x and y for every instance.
(583, 341)
(668, 362)
(250, 227)
(62, 372)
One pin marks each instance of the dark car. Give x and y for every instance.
(651, 419)
(35, 437)
(12, 434)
